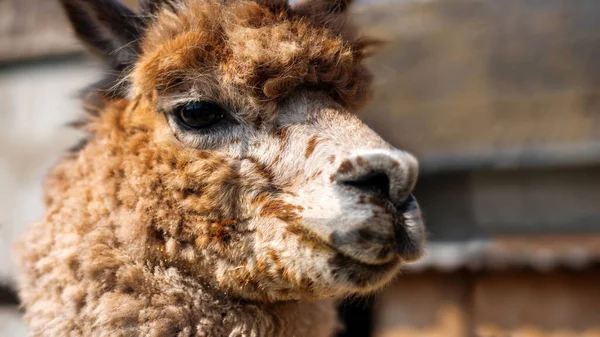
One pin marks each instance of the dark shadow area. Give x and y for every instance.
(357, 316)
(8, 296)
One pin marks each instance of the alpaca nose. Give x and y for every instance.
(389, 174)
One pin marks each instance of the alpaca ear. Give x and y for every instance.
(323, 7)
(275, 4)
(151, 7)
(109, 29)
(336, 6)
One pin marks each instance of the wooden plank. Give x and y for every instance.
(425, 305)
(537, 201)
(538, 305)
(482, 77)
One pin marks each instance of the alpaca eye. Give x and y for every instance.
(200, 115)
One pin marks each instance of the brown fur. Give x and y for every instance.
(250, 56)
(109, 219)
(147, 233)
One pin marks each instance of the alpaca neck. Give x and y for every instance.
(212, 314)
(299, 319)
(284, 319)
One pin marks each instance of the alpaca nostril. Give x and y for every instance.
(390, 174)
(376, 182)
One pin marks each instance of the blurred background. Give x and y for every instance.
(500, 100)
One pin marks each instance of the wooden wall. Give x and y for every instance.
(499, 304)
(473, 78)
(478, 204)
(429, 305)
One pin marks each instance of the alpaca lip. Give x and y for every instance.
(404, 241)
(366, 270)
(410, 205)
(374, 265)
(409, 230)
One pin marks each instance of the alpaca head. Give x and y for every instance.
(228, 134)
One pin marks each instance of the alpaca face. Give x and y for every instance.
(245, 166)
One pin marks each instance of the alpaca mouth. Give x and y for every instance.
(400, 237)
(372, 263)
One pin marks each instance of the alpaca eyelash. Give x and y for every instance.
(201, 138)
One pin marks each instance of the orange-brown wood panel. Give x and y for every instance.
(426, 305)
(556, 304)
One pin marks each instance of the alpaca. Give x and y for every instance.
(225, 186)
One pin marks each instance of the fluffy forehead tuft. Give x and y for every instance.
(251, 55)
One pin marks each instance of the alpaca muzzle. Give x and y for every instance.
(388, 224)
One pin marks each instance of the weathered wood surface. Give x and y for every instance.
(472, 78)
(508, 304)
(537, 305)
(427, 305)
(483, 204)
(541, 253)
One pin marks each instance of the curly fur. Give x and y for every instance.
(154, 230)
